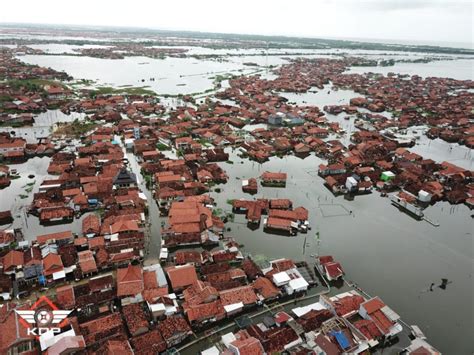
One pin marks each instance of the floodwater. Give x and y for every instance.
(172, 75)
(189, 75)
(43, 125)
(382, 249)
(462, 69)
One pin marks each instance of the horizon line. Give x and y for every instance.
(422, 43)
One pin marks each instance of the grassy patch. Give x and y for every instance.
(129, 90)
(162, 146)
(34, 84)
(74, 129)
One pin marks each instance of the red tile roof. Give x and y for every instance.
(12, 260)
(265, 288)
(149, 343)
(368, 328)
(334, 269)
(67, 344)
(283, 264)
(124, 226)
(172, 326)
(91, 224)
(200, 292)
(181, 276)
(129, 281)
(135, 318)
(117, 347)
(200, 312)
(244, 294)
(273, 176)
(348, 304)
(373, 308)
(248, 346)
(99, 328)
(11, 331)
(65, 296)
(87, 262)
(54, 236)
(52, 263)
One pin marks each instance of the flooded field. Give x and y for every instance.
(459, 69)
(189, 75)
(382, 249)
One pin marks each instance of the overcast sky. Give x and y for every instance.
(407, 20)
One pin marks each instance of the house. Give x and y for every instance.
(68, 345)
(382, 315)
(273, 179)
(279, 224)
(181, 276)
(265, 289)
(91, 225)
(13, 335)
(53, 266)
(56, 92)
(420, 346)
(302, 149)
(135, 319)
(12, 261)
(151, 342)
(87, 262)
(250, 186)
(235, 299)
(332, 169)
(183, 143)
(129, 281)
(204, 312)
(125, 178)
(56, 214)
(59, 238)
(100, 330)
(328, 267)
(245, 344)
(16, 145)
(174, 330)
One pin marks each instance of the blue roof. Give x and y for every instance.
(341, 339)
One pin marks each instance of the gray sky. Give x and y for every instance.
(407, 20)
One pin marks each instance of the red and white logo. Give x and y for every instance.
(43, 316)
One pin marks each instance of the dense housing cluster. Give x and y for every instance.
(130, 152)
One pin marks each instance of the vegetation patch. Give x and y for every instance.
(74, 129)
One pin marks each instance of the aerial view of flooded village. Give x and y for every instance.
(176, 188)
